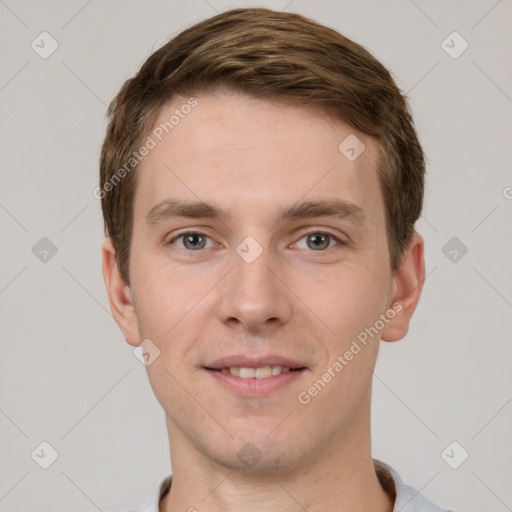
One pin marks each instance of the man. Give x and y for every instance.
(260, 182)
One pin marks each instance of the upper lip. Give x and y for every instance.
(254, 362)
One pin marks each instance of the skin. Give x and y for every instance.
(254, 157)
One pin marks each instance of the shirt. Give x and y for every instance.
(407, 499)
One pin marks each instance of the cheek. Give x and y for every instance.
(346, 300)
(172, 306)
(162, 296)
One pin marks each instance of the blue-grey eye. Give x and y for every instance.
(192, 241)
(318, 241)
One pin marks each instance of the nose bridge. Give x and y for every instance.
(252, 295)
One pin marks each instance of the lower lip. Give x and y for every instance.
(255, 387)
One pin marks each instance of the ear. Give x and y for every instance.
(406, 289)
(119, 294)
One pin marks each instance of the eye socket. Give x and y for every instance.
(320, 241)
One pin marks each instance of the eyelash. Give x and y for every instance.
(185, 233)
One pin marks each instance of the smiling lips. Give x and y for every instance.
(262, 372)
(255, 382)
(260, 368)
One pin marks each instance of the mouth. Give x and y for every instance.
(260, 372)
(254, 377)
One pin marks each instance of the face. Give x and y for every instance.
(258, 245)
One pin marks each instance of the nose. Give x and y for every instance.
(254, 296)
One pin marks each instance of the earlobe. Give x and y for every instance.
(119, 294)
(406, 289)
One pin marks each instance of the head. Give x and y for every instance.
(289, 156)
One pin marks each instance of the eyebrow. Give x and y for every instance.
(171, 208)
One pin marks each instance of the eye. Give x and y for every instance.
(192, 241)
(318, 241)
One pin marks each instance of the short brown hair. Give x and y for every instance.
(272, 55)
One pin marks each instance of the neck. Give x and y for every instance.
(341, 479)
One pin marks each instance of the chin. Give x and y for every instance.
(259, 451)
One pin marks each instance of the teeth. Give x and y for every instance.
(276, 370)
(247, 373)
(263, 372)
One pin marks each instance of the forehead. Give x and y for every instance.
(255, 156)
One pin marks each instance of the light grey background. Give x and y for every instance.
(67, 375)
